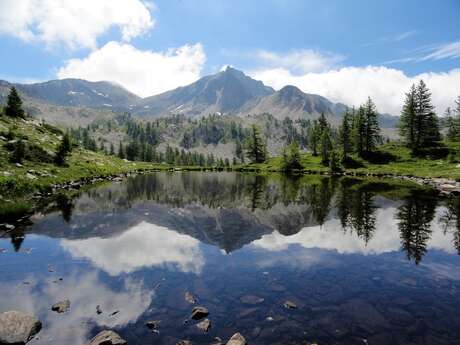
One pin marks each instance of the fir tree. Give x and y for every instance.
(121, 151)
(345, 135)
(19, 152)
(291, 157)
(408, 119)
(256, 147)
(371, 124)
(64, 149)
(326, 146)
(112, 149)
(14, 105)
(359, 131)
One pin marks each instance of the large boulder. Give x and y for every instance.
(107, 338)
(237, 339)
(199, 313)
(17, 327)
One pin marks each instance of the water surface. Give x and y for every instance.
(365, 263)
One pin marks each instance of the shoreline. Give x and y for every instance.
(38, 199)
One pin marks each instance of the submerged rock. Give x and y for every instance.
(153, 324)
(17, 327)
(98, 310)
(237, 339)
(190, 298)
(61, 307)
(199, 313)
(184, 342)
(107, 338)
(251, 299)
(290, 305)
(204, 325)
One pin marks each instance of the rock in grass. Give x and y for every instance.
(107, 338)
(204, 325)
(61, 307)
(199, 312)
(17, 327)
(237, 339)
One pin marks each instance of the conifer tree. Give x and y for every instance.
(291, 159)
(64, 149)
(371, 125)
(326, 147)
(14, 105)
(345, 134)
(358, 131)
(256, 147)
(19, 152)
(121, 151)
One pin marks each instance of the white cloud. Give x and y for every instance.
(144, 245)
(444, 51)
(352, 85)
(143, 72)
(299, 61)
(74, 23)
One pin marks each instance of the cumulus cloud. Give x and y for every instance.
(74, 23)
(143, 72)
(352, 85)
(300, 61)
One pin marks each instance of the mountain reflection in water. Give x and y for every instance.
(365, 261)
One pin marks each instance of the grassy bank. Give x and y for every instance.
(395, 160)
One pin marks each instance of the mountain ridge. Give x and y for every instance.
(229, 92)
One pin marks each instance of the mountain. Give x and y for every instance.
(41, 107)
(230, 92)
(291, 102)
(80, 93)
(224, 92)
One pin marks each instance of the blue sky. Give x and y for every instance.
(149, 47)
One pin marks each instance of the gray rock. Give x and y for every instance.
(204, 325)
(107, 338)
(251, 299)
(17, 327)
(190, 298)
(184, 342)
(290, 305)
(199, 313)
(61, 307)
(153, 324)
(237, 339)
(98, 310)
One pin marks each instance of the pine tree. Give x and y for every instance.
(358, 131)
(112, 149)
(256, 147)
(345, 135)
(408, 119)
(14, 105)
(291, 159)
(121, 151)
(371, 124)
(427, 122)
(451, 124)
(64, 149)
(314, 136)
(326, 147)
(19, 152)
(419, 123)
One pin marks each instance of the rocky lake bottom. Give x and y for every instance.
(306, 260)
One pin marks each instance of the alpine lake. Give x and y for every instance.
(282, 260)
